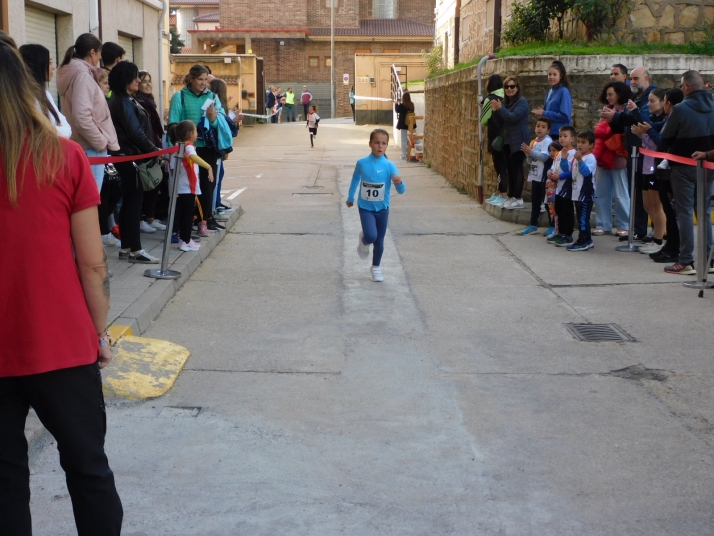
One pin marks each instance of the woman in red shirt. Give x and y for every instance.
(53, 311)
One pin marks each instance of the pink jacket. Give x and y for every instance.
(85, 106)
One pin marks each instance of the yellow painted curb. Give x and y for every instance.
(117, 331)
(143, 368)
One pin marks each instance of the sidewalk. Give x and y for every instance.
(136, 300)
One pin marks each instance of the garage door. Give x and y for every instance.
(127, 43)
(320, 94)
(41, 29)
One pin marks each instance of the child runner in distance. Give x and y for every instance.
(312, 121)
(564, 192)
(374, 176)
(188, 185)
(539, 162)
(551, 186)
(584, 167)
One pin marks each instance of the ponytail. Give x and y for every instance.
(180, 132)
(82, 47)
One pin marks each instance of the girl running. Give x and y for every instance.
(312, 121)
(188, 186)
(374, 175)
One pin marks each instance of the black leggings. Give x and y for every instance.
(110, 196)
(514, 166)
(499, 164)
(566, 215)
(207, 187)
(665, 195)
(537, 198)
(184, 215)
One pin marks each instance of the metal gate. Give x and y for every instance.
(320, 95)
(127, 43)
(41, 29)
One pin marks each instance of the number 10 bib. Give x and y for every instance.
(373, 192)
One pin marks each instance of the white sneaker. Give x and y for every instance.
(651, 248)
(508, 203)
(362, 248)
(377, 274)
(110, 240)
(146, 228)
(156, 224)
(188, 246)
(516, 203)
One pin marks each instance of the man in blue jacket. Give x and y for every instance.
(621, 122)
(269, 103)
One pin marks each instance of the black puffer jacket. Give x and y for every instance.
(132, 125)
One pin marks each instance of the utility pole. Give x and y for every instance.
(332, 57)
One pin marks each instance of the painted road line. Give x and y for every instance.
(236, 193)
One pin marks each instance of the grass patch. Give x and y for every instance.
(560, 48)
(455, 68)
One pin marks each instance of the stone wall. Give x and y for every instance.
(451, 118)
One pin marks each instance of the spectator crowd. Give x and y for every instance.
(571, 173)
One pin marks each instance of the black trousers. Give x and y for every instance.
(584, 209)
(514, 165)
(354, 117)
(207, 187)
(666, 196)
(306, 110)
(566, 215)
(130, 213)
(537, 198)
(640, 212)
(110, 196)
(70, 404)
(499, 164)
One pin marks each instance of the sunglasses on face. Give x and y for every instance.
(510, 86)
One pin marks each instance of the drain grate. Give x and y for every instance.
(599, 332)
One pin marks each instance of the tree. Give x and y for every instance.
(176, 43)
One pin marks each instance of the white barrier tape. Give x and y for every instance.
(373, 98)
(261, 116)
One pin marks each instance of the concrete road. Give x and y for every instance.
(449, 399)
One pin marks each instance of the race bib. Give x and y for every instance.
(373, 192)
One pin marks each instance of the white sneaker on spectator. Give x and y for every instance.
(156, 224)
(515, 203)
(146, 228)
(508, 202)
(110, 240)
(651, 248)
(186, 246)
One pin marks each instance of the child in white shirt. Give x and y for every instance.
(539, 162)
(312, 121)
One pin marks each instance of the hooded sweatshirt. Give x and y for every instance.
(86, 107)
(690, 126)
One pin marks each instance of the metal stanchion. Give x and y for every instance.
(164, 272)
(630, 247)
(702, 258)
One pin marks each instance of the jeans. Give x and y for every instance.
(607, 183)
(405, 142)
(97, 170)
(289, 112)
(537, 198)
(219, 181)
(499, 164)
(684, 180)
(584, 209)
(374, 227)
(514, 166)
(305, 110)
(132, 201)
(70, 404)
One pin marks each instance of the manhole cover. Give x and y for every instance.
(180, 411)
(312, 194)
(599, 332)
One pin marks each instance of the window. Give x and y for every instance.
(313, 62)
(384, 9)
(391, 51)
(328, 62)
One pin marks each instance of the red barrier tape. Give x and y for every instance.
(678, 159)
(96, 160)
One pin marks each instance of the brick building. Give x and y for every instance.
(293, 38)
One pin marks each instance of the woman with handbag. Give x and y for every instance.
(493, 125)
(135, 138)
(190, 104)
(145, 97)
(611, 174)
(513, 111)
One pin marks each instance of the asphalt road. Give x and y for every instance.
(449, 399)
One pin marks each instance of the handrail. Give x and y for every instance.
(397, 90)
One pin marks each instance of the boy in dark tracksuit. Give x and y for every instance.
(585, 165)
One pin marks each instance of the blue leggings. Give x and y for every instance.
(374, 227)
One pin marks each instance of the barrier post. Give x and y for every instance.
(630, 247)
(164, 272)
(702, 263)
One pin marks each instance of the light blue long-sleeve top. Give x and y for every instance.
(375, 171)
